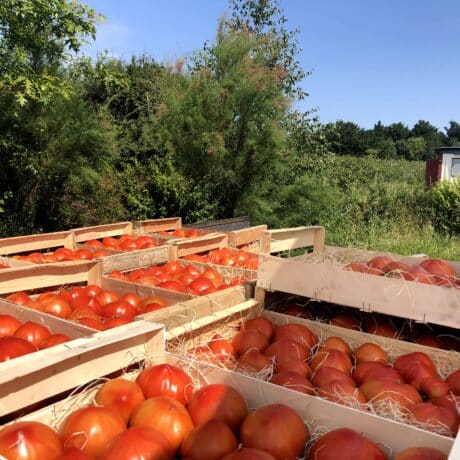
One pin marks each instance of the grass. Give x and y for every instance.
(404, 240)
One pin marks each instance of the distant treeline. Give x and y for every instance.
(396, 140)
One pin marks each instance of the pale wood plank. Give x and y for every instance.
(158, 225)
(101, 231)
(397, 297)
(31, 243)
(244, 236)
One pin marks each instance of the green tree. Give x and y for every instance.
(433, 137)
(36, 37)
(266, 20)
(413, 148)
(346, 138)
(453, 133)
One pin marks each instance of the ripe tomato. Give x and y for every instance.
(221, 347)
(72, 453)
(276, 429)
(139, 443)
(166, 415)
(84, 254)
(120, 395)
(218, 401)
(91, 429)
(165, 380)
(91, 323)
(173, 268)
(94, 244)
(93, 290)
(33, 333)
(117, 309)
(210, 441)
(54, 339)
(8, 325)
(55, 305)
(261, 324)
(199, 285)
(105, 297)
(213, 275)
(132, 299)
(83, 312)
(117, 321)
(29, 441)
(173, 285)
(21, 298)
(12, 347)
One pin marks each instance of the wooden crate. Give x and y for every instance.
(158, 225)
(83, 234)
(30, 243)
(285, 241)
(189, 315)
(331, 283)
(222, 225)
(318, 414)
(199, 332)
(53, 276)
(29, 379)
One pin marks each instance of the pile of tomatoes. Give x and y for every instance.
(331, 369)
(17, 339)
(436, 272)
(182, 233)
(125, 243)
(162, 416)
(4, 266)
(62, 255)
(175, 277)
(228, 257)
(90, 306)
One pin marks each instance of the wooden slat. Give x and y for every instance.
(184, 312)
(158, 225)
(55, 324)
(102, 231)
(143, 290)
(397, 297)
(222, 225)
(136, 259)
(201, 244)
(30, 243)
(47, 275)
(286, 239)
(63, 367)
(245, 235)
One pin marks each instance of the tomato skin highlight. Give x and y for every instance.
(91, 429)
(165, 380)
(29, 441)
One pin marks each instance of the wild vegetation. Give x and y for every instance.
(85, 142)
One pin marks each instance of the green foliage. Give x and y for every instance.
(446, 207)
(36, 37)
(222, 121)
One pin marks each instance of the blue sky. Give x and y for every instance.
(388, 60)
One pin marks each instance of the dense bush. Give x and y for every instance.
(446, 207)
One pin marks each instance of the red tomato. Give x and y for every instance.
(221, 347)
(83, 312)
(298, 333)
(276, 429)
(285, 350)
(128, 245)
(12, 347)
(72, 453)
(199, 285)
(64, 254)
(91, 323)
(246, 453)
(118, 308)
(261, 324)
(165, 380)
(144, 303)
(120, 395)
(350, 444)
(249, 339)
(29, 441)
(55, 305)
(137, 444)
(94, 243)
(117, 274)
(33, 333)
(8, 325)
(105, 297)
(213, 275)
(166, 415)
(210, 441)
(294, 381)
(192, 271)
(332, 358)
(77, 292)
(21, 298)
(100, 254)
(93, 290)
(117, 321)
(218, 401)
(91, 429)
(173, 285)
(111, 243)
(253, 362)
(131, 298)
(84, 254)
(54, 339)
(173, 268)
